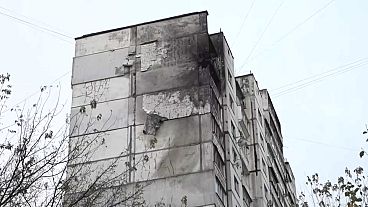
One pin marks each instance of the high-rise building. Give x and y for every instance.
(157, 107)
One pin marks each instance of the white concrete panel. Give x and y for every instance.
(100, 66)
(164, 163)
(198, 188)
(106, 116)
(113, 172)
(99, 146)
(102, 42)
(101, 91)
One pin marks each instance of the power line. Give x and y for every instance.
(325, 144)
(39, 27)
(297, 26)
(244, 20)
(50, 31)
(36, 20)
(317, 75)
(261, 36)
(298, 87)
(313, 81)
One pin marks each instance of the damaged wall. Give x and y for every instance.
(148, 87)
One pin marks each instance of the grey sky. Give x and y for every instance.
(281, 42)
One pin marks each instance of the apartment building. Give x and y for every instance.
(161, 111)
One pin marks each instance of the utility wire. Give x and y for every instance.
(50, 31)
(325, 144)
(244, 20)
(261, 36)
(310, 83)
(36, 21)
(318, 75)
(296, 27)
(298, 87)
(40, 28)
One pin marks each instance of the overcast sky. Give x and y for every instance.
(281, 41)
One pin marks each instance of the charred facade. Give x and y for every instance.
(166, 105)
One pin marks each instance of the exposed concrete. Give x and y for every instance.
(151, 55)
(178, 103)
(153, 123)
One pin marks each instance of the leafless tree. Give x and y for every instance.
(43, 164)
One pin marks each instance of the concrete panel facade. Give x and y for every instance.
(99, 66)
(101, 91)
(157, 105)
(103, 42)
(104, 116)
(142, 96)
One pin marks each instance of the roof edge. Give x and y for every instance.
(139, 24)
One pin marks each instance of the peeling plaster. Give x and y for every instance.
(152, 55)
(172, 105)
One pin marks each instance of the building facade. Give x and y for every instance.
(157, 105)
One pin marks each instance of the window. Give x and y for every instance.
(235, 156)
(244, 169)
(217, 132)
(233, 129)
(219, 162)
(215, 106)
(244, 103)
(264, 166)
(231, 103)
(246, 197)
(265, 190)
(260, 117)
(236, 185)
(230, 78)
(262, 140)
(220, 190)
